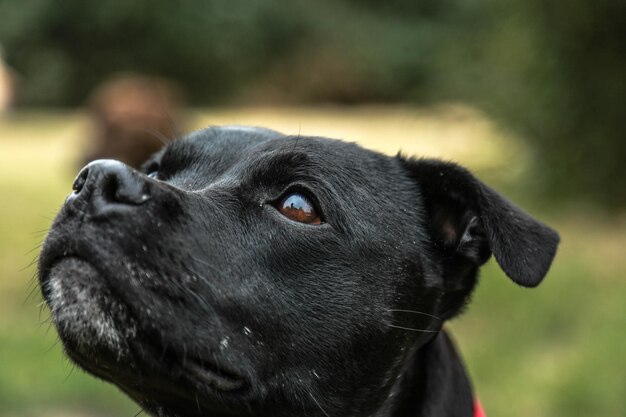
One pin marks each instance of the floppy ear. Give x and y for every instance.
(470, 220)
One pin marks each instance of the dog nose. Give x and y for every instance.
(107, 185)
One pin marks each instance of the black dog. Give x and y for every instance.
(248, 273)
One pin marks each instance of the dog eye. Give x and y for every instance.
(299, 208)
(153, 171)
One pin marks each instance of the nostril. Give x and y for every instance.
(110, 189)
(122, 187)
(80, 180)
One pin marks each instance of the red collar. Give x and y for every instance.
(478, 409)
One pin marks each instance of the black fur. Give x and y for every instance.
(197, 297)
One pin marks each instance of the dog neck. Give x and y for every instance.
(433, 383)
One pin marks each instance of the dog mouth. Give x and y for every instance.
(219, 379)
(101, 334)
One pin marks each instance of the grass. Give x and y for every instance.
(559, 350)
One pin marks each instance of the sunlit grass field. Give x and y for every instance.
(558, 350)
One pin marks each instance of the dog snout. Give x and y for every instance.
(108, 185)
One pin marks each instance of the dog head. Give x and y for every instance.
(245, 272)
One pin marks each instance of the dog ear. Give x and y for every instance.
(471, 220)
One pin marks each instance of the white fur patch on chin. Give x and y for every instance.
(84, 312)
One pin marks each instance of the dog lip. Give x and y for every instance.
(49, 260)
(195, 370)
(53, 254)
(95, 367)
(57, 259)
(214, 376)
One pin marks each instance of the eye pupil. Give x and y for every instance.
(299, 208)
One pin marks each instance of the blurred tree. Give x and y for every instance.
(553, 71)
(556, 73)
(64, 50)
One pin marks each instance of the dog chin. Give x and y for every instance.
(89, 320)
(101, 336)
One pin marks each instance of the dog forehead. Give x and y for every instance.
(246, 147)
(225, 140)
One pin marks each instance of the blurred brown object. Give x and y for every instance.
(7, 84)
(133, 116)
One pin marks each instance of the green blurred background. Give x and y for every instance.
(531, 95)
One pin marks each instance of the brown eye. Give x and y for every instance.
(299, 208)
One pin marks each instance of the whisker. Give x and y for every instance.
(195, 295)
(413, 330)
(32, 293)
(162, 138)
(70, 372)
(416, 312)
(318, 404)
(211, 267)
(297, 138)
(38, 246)
(176, 131)
(33, 262)
(55, 344)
